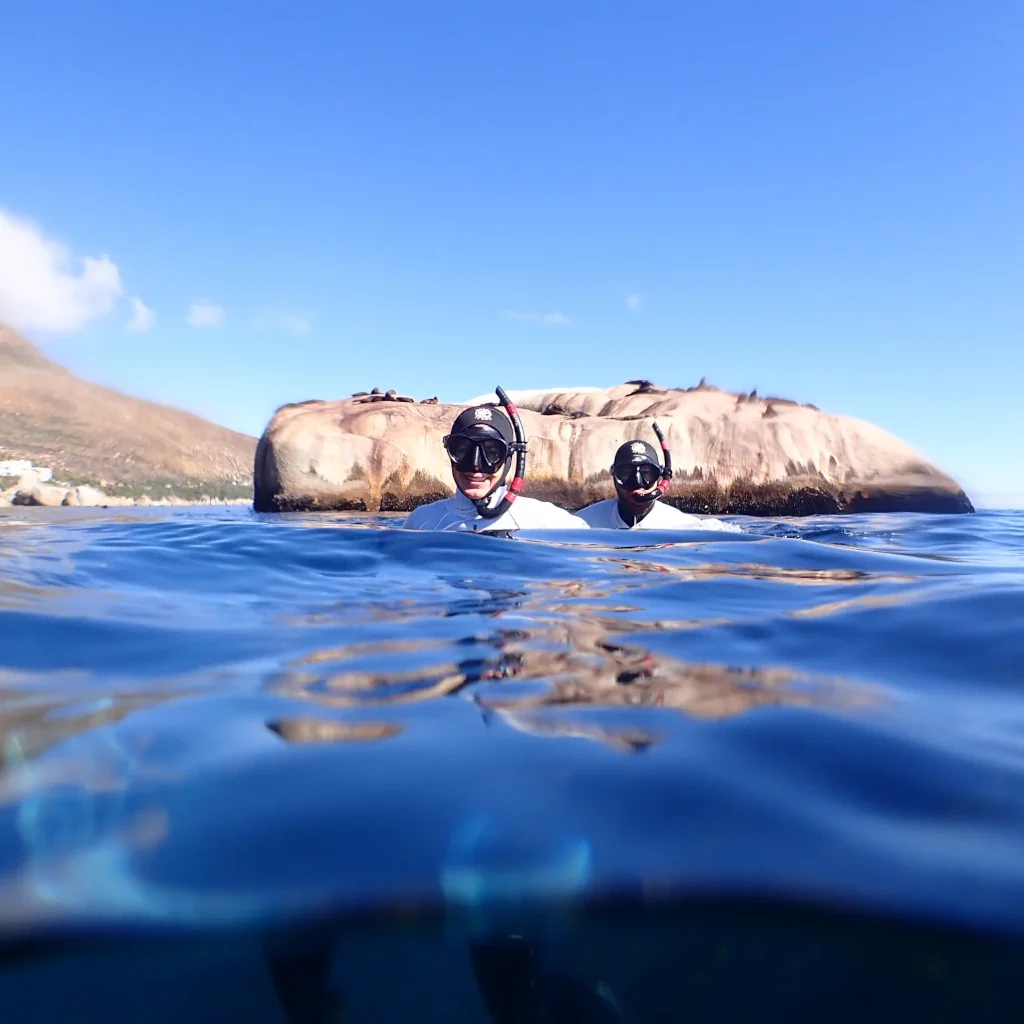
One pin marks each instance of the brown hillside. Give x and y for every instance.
(86, 431)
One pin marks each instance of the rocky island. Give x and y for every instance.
(733, 453)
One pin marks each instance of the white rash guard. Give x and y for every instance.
(459, 513)
(604, 515)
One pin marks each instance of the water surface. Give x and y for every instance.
(776, 775)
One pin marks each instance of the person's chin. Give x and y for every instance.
(475, 489)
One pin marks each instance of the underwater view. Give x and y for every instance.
(315, 768)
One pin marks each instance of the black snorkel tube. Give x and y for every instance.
(666, 473)
(519, 448)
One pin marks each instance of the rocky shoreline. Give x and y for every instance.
(814, 498)
(29, 491)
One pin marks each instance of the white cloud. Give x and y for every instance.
(42, 287)
(290, 322)
(527, 316)
(205, 314)
(143, 318)
(634, 301)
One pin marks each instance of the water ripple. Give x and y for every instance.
(209, 717)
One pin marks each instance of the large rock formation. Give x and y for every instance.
(89, 497)
(732, 454)
(44, 495)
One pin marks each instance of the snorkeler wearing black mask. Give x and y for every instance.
(482, 445)
(641, 480)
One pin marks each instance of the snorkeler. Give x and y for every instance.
(640, 481)
(482, 444)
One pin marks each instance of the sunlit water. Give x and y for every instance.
(770, 776)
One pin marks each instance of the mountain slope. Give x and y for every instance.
(88, 432)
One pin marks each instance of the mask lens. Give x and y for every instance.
(493, 451)
(470, 454)
(648, 475)
(637, 478)
(460, 449)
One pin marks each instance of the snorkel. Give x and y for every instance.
(518, 448)
(666, 473)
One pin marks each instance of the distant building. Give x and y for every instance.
(18, 467)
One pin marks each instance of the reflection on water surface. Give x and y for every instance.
(673, 764)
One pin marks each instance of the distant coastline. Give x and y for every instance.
(37, 487)
(87, 435)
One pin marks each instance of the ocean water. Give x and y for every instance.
(255, 766)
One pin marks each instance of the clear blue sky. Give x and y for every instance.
(819, 200)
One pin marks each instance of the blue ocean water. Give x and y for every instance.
(776, 775)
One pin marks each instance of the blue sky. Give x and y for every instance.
(822, 201)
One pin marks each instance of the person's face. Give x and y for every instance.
(480, 466)
(475, 485)
(637, 482)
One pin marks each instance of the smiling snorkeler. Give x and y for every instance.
(640, 482)
(482, 444)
